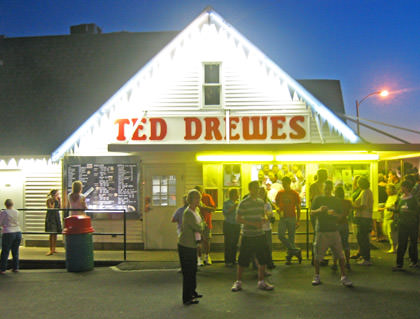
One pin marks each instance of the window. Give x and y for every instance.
(164, 190)
(212, 87)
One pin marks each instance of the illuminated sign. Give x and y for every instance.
(235, 129)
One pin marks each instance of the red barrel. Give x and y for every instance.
(79, 243)
(77, 224)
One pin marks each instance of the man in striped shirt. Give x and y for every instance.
(251, 216)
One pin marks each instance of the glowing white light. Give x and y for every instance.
(326, 157)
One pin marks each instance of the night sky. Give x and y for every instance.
(366, 44)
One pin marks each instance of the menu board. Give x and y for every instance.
(107, 182)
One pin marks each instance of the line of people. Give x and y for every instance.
(331, 214)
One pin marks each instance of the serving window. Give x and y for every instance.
(218, 178)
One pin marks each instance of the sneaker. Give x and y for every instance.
(346, 282)
(316, 281)
(237, 285)
(264, 285)
(365, 263)
(207, 260)
(199, 262)
(397, 268)
(413, 265)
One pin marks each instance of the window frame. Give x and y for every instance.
(204, 85)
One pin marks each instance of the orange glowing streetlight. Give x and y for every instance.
(383, 93)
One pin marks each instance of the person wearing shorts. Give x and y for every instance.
(251, 215)
(327, 211)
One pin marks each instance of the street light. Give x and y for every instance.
(383, 93)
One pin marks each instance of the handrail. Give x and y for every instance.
(93, 211)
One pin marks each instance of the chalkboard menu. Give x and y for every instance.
(108, 182)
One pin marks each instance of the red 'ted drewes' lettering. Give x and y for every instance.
(276, 125)
(294, 125)
(212, 127)
(256, 134)
(233, 124)
(121, 125)
(189, 121)
(136, 135)
(153, 129)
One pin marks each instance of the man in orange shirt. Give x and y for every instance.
(207, 207)
(288, 203)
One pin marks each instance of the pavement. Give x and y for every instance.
(35, 257)
(152, 289)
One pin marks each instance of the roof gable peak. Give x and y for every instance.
(206, 20)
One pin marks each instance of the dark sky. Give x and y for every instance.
(366, 44)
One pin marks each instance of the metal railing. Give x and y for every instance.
(87, 211)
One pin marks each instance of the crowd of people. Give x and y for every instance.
(332, 216)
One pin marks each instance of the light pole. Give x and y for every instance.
(382, 93)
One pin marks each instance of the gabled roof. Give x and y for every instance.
(54, 84)
(50, 85)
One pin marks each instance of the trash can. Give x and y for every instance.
(79, 244)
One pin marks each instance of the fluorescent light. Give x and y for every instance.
(235, 158)
(326, 157)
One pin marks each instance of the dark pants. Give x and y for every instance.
(188, 259)
(10, 241)
(406, 232)
(364, 227)
(231, 233)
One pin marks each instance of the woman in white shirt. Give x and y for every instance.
(11, 237)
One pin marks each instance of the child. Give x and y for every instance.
(11, 238)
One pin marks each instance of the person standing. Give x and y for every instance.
(288, 203)
(317, 189)
(52, 219)
(207, 207)
(390, 224)
(408, 226)
(231, 228)
(268, 211)
(11, 236)
(327, 210)
(364, 209)
(192, 226)
(77, 202)
(343, 224)
(251, 215)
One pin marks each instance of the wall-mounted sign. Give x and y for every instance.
(108, 182)
(239, 129)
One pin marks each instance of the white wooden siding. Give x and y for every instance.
(37, 185)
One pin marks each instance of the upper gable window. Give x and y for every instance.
(212, 87)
